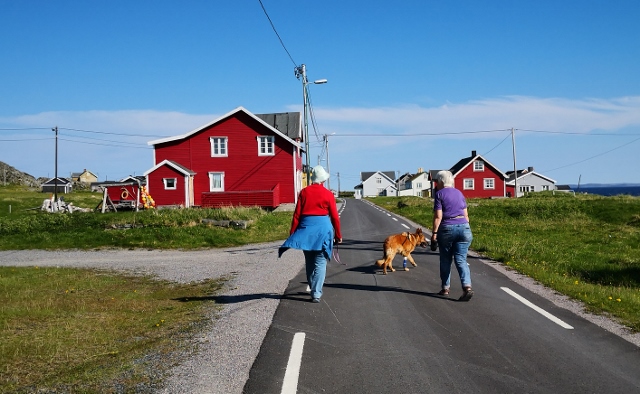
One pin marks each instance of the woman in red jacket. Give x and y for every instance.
(314, 227)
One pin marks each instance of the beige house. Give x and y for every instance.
(84, 177)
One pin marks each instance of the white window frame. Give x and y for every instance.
(378, 180)
(212, 178)
(478, 166)
(545, 187)
(219, 146)
(266, 145)
(167, 183)
(468, 184)
(489, 184)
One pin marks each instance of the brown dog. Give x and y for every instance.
(403, 243)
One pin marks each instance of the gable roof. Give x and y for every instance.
(61, 181)
(388, 174)
(180, 168)
(223, 117)
(525, 172)
(463, 163)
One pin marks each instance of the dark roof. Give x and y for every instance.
(366, 175)
(61, 181)
(563, 187)
(287, 123)
(462, 163)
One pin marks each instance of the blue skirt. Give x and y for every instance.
(313, 233)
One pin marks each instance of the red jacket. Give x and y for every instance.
(316, 200)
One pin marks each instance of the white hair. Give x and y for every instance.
(446, 177)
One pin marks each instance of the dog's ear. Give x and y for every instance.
(419, 231)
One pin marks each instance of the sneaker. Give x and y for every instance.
(444, 292)
(308, 289)
(466, 296)
(315, 300)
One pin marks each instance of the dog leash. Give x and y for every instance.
(335, 254)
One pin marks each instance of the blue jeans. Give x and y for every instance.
(453, 243)
(316, 267)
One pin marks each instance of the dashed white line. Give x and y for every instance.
(405, 226)
(396, 219)
(290, 383)
(537, 308)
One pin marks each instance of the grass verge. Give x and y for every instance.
(90, 331)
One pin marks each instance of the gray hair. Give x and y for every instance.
(446, 177)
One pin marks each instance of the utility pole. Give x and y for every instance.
(515, 169)
(301, 74)
(338, 175)
(326, 147)
(55, 182)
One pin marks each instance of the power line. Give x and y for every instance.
(417, 134)
(115, 145)
(104, 132)
(593, 157)
(275, 31)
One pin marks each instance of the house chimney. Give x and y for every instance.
(473, 153)
(530, 169)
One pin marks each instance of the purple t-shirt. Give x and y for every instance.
(452, 203)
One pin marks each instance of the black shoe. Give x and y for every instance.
(466, 296)
(315, 300)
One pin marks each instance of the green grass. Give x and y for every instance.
(587, 247)
(88, 331)
(22, 227)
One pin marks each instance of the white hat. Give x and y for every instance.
(319, 175)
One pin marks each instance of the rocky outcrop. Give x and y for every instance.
(10, 176)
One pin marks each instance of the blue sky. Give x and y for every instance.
(411, 84)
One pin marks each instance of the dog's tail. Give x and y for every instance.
(379, 262)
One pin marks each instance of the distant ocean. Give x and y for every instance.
(609, 190)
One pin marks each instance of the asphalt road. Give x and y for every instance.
(375, 333)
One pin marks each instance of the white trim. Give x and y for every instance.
(165, 183)
(225, 148)
(225, 116)
(271, 142)
(493, 183)
(211, 174)
(464, 184)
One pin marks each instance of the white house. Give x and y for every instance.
(529, 181)
(417, 185)
(374, 184)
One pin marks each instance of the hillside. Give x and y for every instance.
(11, 176)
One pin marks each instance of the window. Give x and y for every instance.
(169, 183)
(478, 165)
(266, 145)
(419, 185)
(378, 179)
(489, 183)
(545, 187)
(468, 184)
(218, 146)
(216, 181)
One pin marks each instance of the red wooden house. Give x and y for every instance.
(238, 159)
(477, 178)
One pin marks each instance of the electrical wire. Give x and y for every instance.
(275, 31)
(593, 157)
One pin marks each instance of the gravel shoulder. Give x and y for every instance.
(228, 348)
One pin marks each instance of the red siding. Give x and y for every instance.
(161, 196)
(243, 169)
(479, 177)
(260, 198)
(117, 193)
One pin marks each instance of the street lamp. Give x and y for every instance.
(301, 73)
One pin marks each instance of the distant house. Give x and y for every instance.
(528, 181)
(62, 185)
(403, 182)
(378, 183)
(415, 185)
(237, 159)
(84, 177)
(476, 177)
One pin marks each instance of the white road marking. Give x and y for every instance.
(395, 219)
(405, 226)
(537, 308)
(290, 383)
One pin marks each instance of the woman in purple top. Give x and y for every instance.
(452, 233)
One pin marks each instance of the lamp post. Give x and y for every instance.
(326, 147)
(301, 73)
